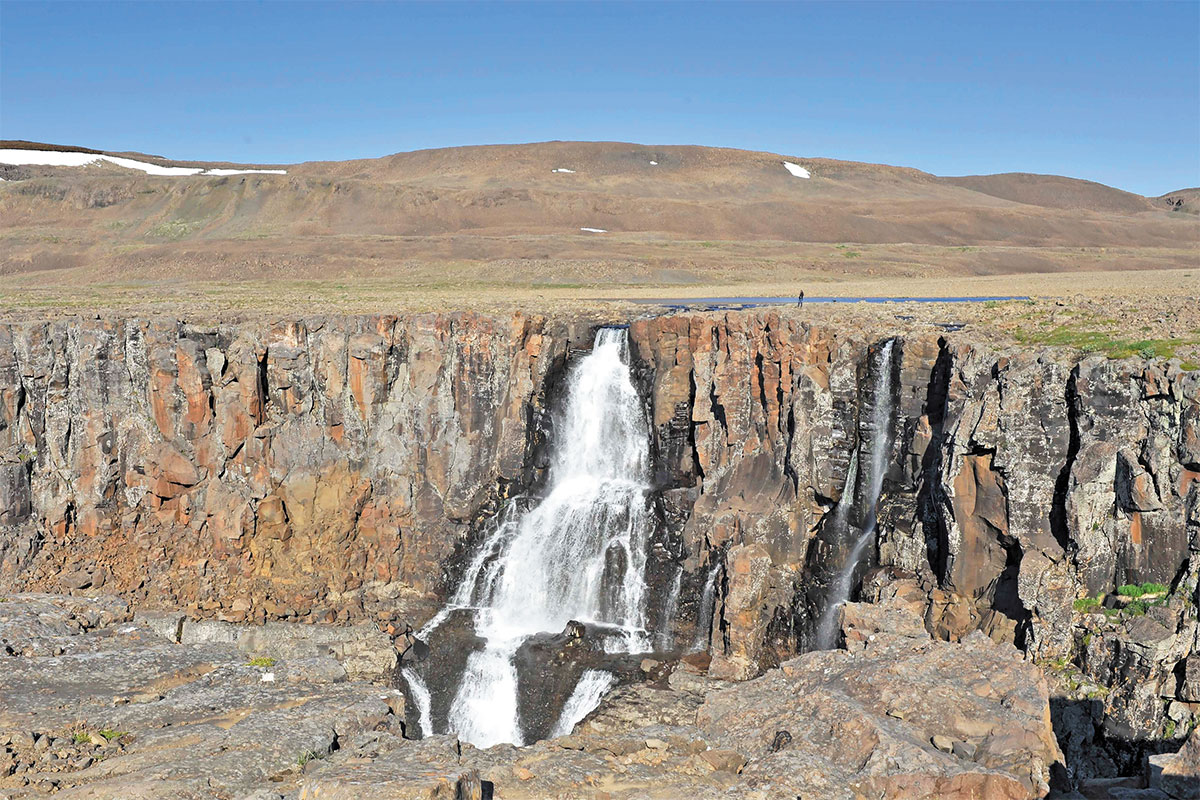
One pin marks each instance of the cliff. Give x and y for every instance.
(332, 469)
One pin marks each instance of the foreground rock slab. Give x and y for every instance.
(903, 717)
(98, 701)
(97, 704)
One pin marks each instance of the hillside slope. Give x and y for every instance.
(564, 201)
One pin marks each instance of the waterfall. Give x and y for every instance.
(578, 554)
(708, 599)
(666, 636)
(880, 443)
(587, 695)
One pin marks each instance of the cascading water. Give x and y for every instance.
(587, 695)
(708, 599)
(666, 633)
(420, 696)
(880, 443)
(579, 554)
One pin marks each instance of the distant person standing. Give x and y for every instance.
(800, 300)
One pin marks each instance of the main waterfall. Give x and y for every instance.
(577, 555)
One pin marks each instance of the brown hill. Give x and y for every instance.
(1182, 200)
(1053, 191)
(533, 202)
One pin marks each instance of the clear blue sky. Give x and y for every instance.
(1109, 92)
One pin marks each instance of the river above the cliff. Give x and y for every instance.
(750, 302)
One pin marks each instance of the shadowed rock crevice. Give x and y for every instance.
(932, 503)
(1058, 512)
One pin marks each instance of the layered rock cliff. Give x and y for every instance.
(336, 468)
(291, 470)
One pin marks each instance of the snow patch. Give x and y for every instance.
(594, 230)
(796, 169)
(563, 169)
(268, 677)
(72, 158)
(654, 163)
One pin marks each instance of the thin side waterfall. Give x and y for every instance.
(666, 637)
(578, 554)
(881, 427)
(708, 599)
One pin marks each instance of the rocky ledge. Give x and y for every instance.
(99, 701)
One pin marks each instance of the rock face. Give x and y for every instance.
(1018, 484)
(341, 468)
(295, 470)
(1178, 775)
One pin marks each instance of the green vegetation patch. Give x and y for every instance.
(262, 661)
(1096, 341)
(175, 229)
(309, 755)
(1136, 590)
(1086, 604)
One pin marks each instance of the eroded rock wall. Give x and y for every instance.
(1018, 483)
(254, 471)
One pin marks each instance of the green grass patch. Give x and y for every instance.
(307, 756)
(111, 734)
(262, 661)
(1095, 341)
(1086, 604)
(1136, 590)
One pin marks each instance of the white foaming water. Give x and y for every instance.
(881, 418)
(420, 696)
(579, 554)
(587, 695)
